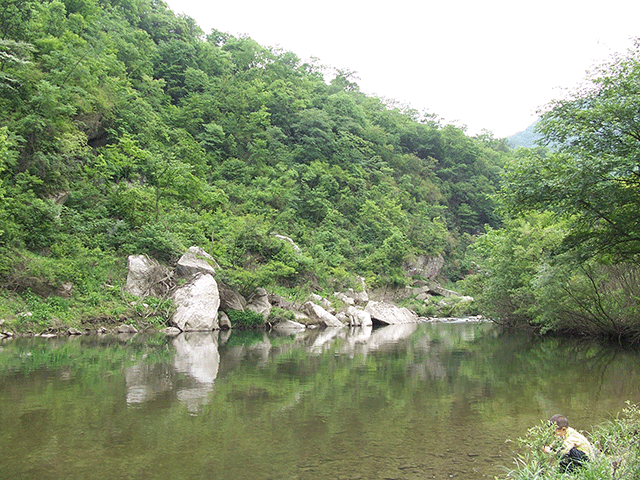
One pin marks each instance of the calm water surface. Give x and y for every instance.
(406, 402)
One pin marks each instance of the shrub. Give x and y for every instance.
(245, 319)
(281, 314)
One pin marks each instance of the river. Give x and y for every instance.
(418, 401)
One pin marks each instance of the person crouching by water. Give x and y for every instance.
(575, 449)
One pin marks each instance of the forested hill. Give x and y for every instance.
(528, 138)
(125, 129)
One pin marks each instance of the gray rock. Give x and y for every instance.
(64, 290)
(146, 276)
(424, 266)
(172, 331)
(125, 328)
(197, 304)
(358, 317)
(223, 321)
(323, 302)
(390, 314)
(361, 297)
(230, 299)
(320, 315)
(195, 260)
(347, 300)
(295, 247)
(259, 303)
(289, 326)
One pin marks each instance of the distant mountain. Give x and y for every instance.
(527, 138)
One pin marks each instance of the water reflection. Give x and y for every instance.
(196, 357)
(404, 401)
(191, 374)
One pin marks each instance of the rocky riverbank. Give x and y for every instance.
(203, 302)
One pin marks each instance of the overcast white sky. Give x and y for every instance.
(485, 64)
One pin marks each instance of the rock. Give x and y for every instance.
(358, 317)
(320, 315)
(342, 317)
(196, 260)
(64, 290)
(436, 289)
(424, 266)
(59, 197)
(146, 277)
(93, 126)
(259, 303)
(172, 331)
(289, 241)
(125, 328)
(280, 302)
(41, 286)
(326, 304)
(288, 326)
(230, 299)
(390, 314)
(197, 304)
(223, 321)
(74, 331)
(314, 297)
(300, 317)
(361, 297)
(345, 298)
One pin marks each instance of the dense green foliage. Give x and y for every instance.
(245, 319)
(568, 259)
(124, 129)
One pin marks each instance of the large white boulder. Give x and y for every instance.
(146, 276)
(320, 315)
(358, 317)
(390, 314)
(197, 304)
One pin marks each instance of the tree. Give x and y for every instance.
(13, 56)
(593, 176)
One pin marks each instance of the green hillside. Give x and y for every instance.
(125, 129)
(528, 138)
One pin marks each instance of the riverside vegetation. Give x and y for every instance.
(125, 129)
(617, 444)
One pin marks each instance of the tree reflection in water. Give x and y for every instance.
(407, 401)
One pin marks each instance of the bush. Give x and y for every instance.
(245, 319)
(277, 314)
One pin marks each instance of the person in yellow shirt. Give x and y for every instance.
(575, 448)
